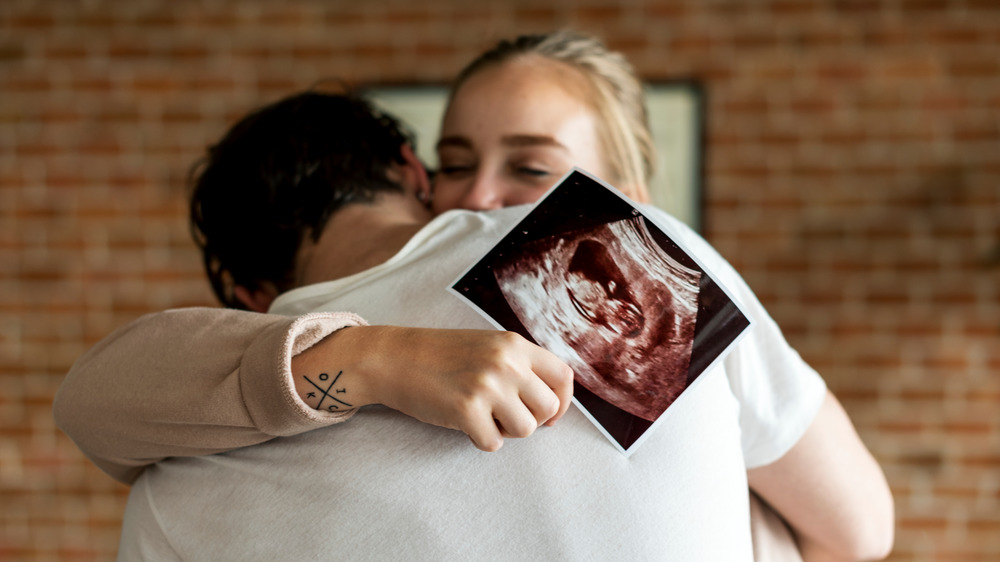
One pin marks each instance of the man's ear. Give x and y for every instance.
(415, 174)
(257, 300)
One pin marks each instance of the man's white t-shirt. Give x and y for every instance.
(388, 487)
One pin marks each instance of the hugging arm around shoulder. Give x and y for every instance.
(188, 382)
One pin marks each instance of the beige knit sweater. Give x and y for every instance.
(190, 382)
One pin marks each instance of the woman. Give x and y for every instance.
(526, 111)
(488, 161)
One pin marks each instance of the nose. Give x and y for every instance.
(483, 195)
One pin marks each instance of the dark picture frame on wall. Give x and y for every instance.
(676, 114)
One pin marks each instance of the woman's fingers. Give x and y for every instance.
(514, 419)
(558, 377)
(483, 430)
(487, 384)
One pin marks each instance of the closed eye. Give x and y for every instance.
(454, 170)
(534, 172)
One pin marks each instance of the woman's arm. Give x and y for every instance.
(831, 491)
(189, 382)
(200, 381)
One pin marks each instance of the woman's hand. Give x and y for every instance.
(485, 383)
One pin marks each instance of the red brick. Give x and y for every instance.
(887, 37)
(407, 16)
(535, 15)
(923, 523)
(926, 461)
(923, 6)
(192, 53)
(787, 265)
(772, 71)
(599, 15)
(726, 9)
(627, 44)
(780, 140)
(841, 71)
(964, 494)
(814, 103)
(934, 396)
(345, 18)
(955, 297)
(147, 85)
(229, 19)
(12, 53)
(132, 50)
(983, 461)
(433, 49)
(950, 362)
(156, 20)
(92, 84)
(821, 39)
(747, 171)
(851, 329)
(902, 427)
(856, 395)
(944, 102)
(813, 170)
(182, 115)
(209, 84)
(923, 68)
(982, 131)
(981, 329)
(26, 84)
(373, 51)
(955, 34)
(692, 43)
(858, 7)
(37, 149)
(669, 11)
(968, 428)
(874, 360)
(754, 39)
(753, 104)
(29, 21)
(101, 147)
(985, 67)
(792, 7)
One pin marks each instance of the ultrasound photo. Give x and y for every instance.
(613, 305)
(589, 277)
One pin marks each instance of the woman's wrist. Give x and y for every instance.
(327, 375)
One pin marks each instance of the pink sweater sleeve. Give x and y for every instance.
(190, 382)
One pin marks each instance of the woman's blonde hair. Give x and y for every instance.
(616, 96)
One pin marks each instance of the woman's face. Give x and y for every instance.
(510, 132)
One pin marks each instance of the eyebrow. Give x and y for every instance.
(508, 140)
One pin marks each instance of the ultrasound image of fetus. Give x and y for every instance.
(612, 304)
(599, 292)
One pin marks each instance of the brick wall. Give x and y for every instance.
(853, 176)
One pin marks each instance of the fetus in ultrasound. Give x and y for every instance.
(612, 304)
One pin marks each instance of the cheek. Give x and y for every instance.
(446, 196)
(525, 195)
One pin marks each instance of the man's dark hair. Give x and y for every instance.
(278, 175)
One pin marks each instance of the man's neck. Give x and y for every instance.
(360, 236)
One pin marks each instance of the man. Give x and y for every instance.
(392, 487)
